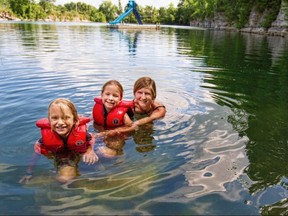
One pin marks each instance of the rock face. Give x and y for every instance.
(278, 28)
(6, 16)
(280, 25)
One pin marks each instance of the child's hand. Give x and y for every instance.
(98, 135)
(37, 148)
(90, 157)
(111, 133)
(25, 179)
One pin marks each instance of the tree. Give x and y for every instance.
(167, 16)
(120, 8)
(185, 9)
(71, 6)
(20, 7)
(4, 3)
(108, 9)
(47, 5)
(35, 12)
(96, 16)
(150, 15)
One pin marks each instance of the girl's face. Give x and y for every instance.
(111, 96)
(143, 99)
(61, 120)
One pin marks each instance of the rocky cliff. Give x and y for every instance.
(278, 28)
(4, 15)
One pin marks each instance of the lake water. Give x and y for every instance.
(221, 149)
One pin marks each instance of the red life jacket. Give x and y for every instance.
(52, 142)
(114, 118)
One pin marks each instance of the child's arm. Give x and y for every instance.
(156, 114)
(127, 127)
(90, 156)
(35, 157)
(127, 121)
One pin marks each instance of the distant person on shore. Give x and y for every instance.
(65, 139)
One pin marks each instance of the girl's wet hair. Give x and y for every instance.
(63, 102)
(115, 83)
(145, 82)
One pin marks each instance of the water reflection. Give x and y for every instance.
(143, 138)
(254, 90)
(131, 36)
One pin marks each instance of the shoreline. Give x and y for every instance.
(272, 31)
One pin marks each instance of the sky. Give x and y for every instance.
(143, 3)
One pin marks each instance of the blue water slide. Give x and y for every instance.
(138, 17)
(131, 7)
(122, 16)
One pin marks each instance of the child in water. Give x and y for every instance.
(146, 109)
(110, 112)
(65, 139)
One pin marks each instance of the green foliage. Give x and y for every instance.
(29, 10)
(4, 3)
(6, 12)
(269, 9)
(47, 6)
(268, 19)
(120, 8)
(109, 9)
(235, 11)
(150, 15)
(189, 10)
(96, 16)
(185, 9)
(19, 7)
(168, 16)
(243, 13)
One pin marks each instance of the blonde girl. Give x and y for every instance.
(65, 139)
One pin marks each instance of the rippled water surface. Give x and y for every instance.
(221, 149)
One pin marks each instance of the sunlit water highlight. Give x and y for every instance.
(194, 161)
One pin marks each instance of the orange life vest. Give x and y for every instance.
(52, 142)
(114, 118)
